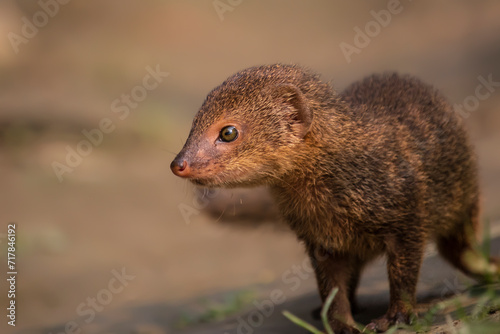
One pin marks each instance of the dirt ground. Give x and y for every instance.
(120, 245)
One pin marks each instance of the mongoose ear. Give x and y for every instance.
(293, 96)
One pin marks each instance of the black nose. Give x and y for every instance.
(180, 167)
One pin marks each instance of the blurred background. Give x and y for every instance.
(97, 97)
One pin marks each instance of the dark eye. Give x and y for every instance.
(228, 133)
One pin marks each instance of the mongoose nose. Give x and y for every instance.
(180, 168)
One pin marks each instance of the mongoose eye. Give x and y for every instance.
(228, 133)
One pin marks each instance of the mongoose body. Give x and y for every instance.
(379, 169)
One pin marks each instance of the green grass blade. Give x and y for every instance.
(301, 323)
(486, 244)
(324, 311)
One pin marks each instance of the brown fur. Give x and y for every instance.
(379, 169)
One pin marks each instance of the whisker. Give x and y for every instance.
(168, 151)
(222, 214)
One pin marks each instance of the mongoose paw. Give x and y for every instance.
(355, 309)
(383, 323)
(338, 327)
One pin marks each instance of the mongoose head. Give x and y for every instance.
(247, 130)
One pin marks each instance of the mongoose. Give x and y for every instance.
(377, 170)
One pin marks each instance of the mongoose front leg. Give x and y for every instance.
(351, 288)
(404, 258)
(353, 284)
(334, 270)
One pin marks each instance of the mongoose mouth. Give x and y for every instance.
(200, 182)
(210, 182)
(183, 169)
